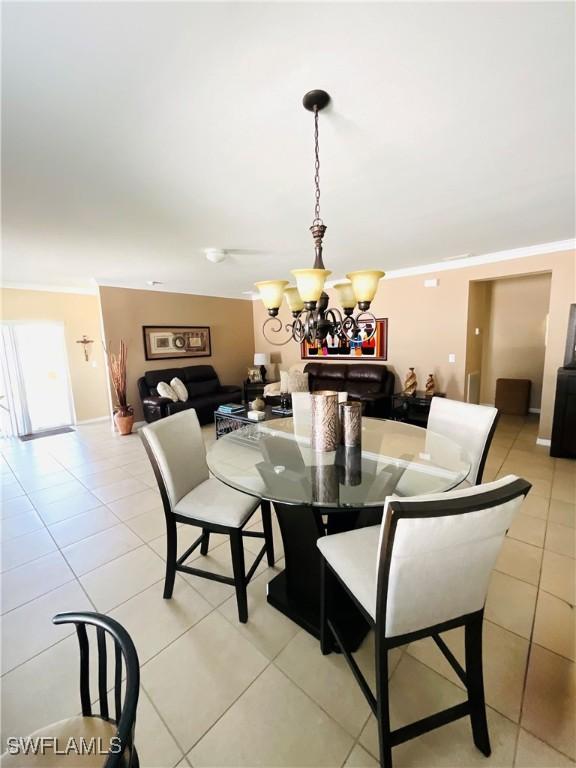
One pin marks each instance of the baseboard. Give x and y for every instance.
(543, 441)
(534, 410)
(93, 421)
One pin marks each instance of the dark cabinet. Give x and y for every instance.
(413, 409)
(564, 424)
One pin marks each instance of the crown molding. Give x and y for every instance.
(486, 258)
(86, 290)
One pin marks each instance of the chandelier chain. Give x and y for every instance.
(317, 218)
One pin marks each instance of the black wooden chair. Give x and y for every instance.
(176, 450)
(109, 739)
(424, 571)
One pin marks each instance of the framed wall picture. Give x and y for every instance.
(359, 348)
(171, 342)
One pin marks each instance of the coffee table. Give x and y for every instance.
(229, 422)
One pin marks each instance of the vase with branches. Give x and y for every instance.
(124, 414)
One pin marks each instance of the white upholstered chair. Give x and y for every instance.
(471, 426)
(425, 570)
(176, 450)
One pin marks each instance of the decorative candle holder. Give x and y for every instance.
(351, 423)
(325, 427)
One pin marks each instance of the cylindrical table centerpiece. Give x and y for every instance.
(351, 423)
(325, 427)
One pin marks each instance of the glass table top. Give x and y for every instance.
(273, 460)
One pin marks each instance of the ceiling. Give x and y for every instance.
(136, 135)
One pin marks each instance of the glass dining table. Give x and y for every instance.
(316, 494)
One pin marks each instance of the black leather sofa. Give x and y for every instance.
(371, 384)
(205, 393)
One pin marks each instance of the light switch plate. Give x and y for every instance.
(451, 358)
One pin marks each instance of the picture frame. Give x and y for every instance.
(333, 349)
(173, 342)
(255, 375)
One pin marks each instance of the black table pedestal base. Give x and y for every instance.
(296, 590)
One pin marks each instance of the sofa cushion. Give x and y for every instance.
(178, 387)
(197, 388)
(165, 390)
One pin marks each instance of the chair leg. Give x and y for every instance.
(383, 707)
(474, 676)
(237, 550)
(171, 557)
(205, 542)
(267, 527)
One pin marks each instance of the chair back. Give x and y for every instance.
(125, 660)
(437, 553)
(176, 450)
(471, 426)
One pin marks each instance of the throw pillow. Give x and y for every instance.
(180, 389)
(165, 390)
(297, 382)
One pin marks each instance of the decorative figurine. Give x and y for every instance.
(258, 404)
(410, 383)
(430, 385)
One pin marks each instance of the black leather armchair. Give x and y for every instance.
(370, 383)
(205, 393)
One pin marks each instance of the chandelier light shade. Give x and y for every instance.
(310, 284)
(346, 296)
(272, 293)
(365, 284)
(313, 319)
(293, 299)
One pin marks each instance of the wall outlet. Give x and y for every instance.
(432, 282)
(451, 358)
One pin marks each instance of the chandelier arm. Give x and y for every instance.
(311, 325)
(349, 327)
(275, 325)
(367, 317)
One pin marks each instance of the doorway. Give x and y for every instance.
(506, 335)
(35, 378)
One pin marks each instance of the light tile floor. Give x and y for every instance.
(82, 528)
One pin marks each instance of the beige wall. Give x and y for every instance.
(427, 324)
(514, 344)
(125, 311)
(80, 315)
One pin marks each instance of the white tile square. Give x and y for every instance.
(211, 663)
(81, 526)
(94, 551)
(119, 490)
(29, 581)
(117, 581)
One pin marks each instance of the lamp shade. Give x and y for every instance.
(346, 296)
(271, 292)
(261, 358)
(365, 284)
(295, 303)
(310, 283)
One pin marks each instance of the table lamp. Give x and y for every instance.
(262, 359)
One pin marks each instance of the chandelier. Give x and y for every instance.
(313, 320)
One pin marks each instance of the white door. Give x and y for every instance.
(43, 363)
